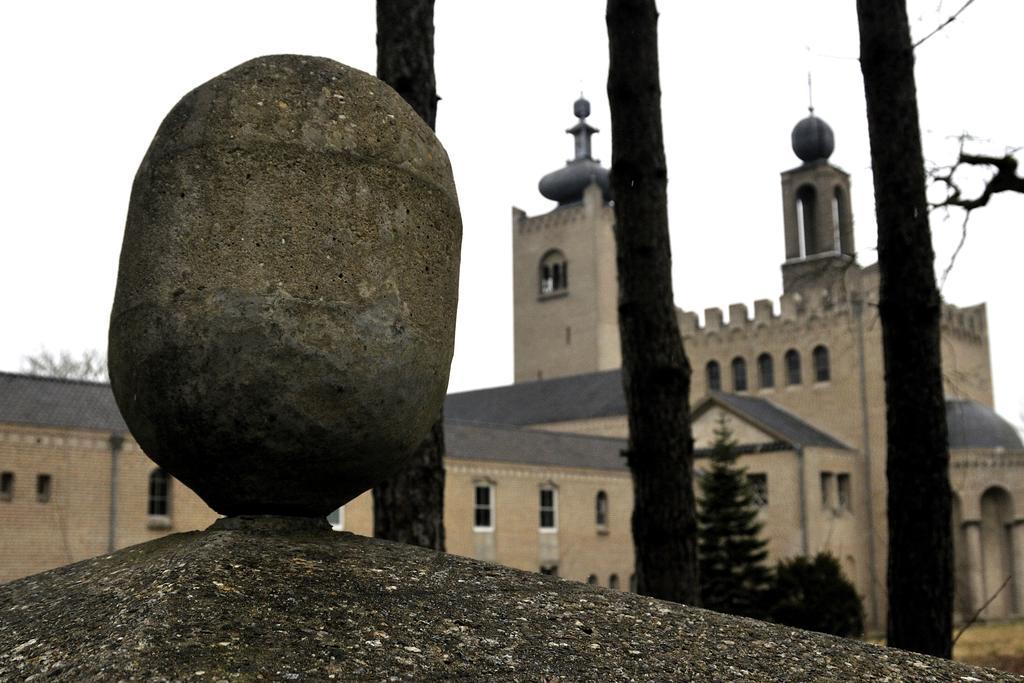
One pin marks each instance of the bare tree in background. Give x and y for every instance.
(920, 564)
(1004, 179)
(655, 371)
(409, 507)
(91, 365)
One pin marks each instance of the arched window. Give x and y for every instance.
(765, 371)
(821, 368)
(159, 493)
(554, 273)
(592, 579)
(793, 367)
(806, 209)
(714, 373)
(739, 374)
(601, 509)
(613, 581)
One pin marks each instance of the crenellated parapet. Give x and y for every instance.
(792, 307)
(565, 215)
(969, 323)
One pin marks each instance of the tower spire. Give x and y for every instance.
(582, 130)
(566, 185)
(810, 94)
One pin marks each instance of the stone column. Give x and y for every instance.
(1017, 562)
(975, 572)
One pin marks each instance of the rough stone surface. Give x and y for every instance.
(290, 602)
(285, 310)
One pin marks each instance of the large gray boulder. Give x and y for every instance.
(285, 311)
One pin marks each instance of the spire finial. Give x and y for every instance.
(810, 94)
(582, 130)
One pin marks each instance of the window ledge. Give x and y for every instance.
(602, 530)
(483, 530)
(158, 522)
(553, 295)
(548, 530)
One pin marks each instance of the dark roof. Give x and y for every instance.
(482, 424)
(772, 419)
(597, 394)
(51, 402)
(532, 447)
(972, 425)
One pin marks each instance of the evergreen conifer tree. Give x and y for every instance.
(733, 576)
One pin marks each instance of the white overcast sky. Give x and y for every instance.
(85, 85)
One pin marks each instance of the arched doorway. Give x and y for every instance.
(962, 605)
(997, 552)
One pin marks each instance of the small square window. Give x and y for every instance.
(758, 489)
(43, 485)
(7, 486)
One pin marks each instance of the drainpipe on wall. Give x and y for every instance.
(869, 505)
(116, 443)
(804, 545)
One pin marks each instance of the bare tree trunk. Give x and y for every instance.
(920, 571)
(656, 373)
(409, 507)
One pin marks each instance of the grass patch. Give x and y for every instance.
(999, 645)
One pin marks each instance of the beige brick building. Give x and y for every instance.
(76, 485)
(534, 476)
(801, 380)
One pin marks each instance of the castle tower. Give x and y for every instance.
(816, 211)
(564, 280)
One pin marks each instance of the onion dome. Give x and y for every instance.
(566, 185)
(813, 139)
(972, 425)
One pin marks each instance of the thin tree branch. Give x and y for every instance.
(956, 252)
(981, 609)
(946, 23)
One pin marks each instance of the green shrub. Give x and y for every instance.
(814, 595)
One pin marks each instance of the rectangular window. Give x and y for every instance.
(43, 483)
(7, 486)
(758, 489)
(827, 485)
(483, 508)
(845, 492)
(548, 509)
